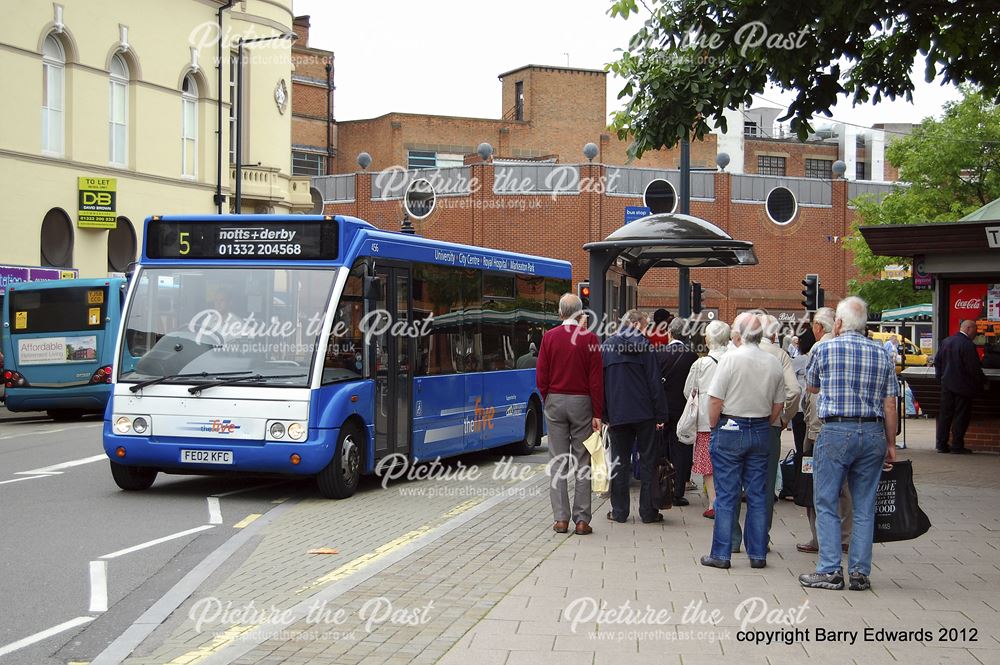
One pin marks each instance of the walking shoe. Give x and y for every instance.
(758, 563)
(681, 501)
(561, 527)
(658, 517)
(583, 529)
(690, 487)
(860, 582)
(944, 449)
(715, 563)
(834, 580)
(710, 513)
(961, 451)
(611, 516)
(808, 548)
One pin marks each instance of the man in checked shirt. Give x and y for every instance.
(856, 382)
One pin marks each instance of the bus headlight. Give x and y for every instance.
(277, 430)
(296, 431)
(123, 425)
(140, 425)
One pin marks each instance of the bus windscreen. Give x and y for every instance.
(215, 240)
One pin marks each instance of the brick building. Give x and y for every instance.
(313, 139)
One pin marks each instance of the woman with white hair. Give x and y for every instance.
(700, 378)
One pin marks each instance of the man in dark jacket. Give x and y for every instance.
(960, 373)
(675, 361)
(634, 406)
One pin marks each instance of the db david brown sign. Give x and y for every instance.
(96, 207)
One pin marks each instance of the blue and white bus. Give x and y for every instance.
(318, 346)
(59, 344)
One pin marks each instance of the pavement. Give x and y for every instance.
(456, 570)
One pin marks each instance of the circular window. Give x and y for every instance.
(781, 205)
(121, 246)
(57, 239)
(660, 196)
(419, 199)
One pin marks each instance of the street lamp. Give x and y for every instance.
(239, 108)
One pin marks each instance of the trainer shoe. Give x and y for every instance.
(860, 582)
(834, 580)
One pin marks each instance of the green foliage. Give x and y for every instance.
(952, 167)
(693, 59)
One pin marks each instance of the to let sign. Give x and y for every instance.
(96, 206)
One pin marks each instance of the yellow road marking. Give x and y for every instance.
(281, 500)
(217, 644)
(246, 520)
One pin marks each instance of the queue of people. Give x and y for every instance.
(638, 381)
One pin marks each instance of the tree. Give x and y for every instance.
(952, 166)
(693, 59)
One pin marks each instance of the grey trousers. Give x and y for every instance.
(845, 506)
(569, 420)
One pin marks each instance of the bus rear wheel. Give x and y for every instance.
(340, 478)
(65, 414)
(132, 478)
(532, 430)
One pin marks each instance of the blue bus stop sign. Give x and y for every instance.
(633, 213)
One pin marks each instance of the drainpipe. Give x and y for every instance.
(329, 118)
(219, 198)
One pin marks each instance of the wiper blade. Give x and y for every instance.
(169, 377)
(194, 390)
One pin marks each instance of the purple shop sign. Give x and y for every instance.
(10, 275)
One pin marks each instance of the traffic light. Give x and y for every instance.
(810, 294)
(583, 291)
(821, 299)
(695, 297)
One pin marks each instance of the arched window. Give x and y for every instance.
(53, 66)
(189, 127)
(121, 245)
(118, 119)
(57, 239)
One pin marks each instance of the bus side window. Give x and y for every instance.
(344, 358)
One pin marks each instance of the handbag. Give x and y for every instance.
(804, 480)
(789, 471)
(687, 424)
(897, 513)
(664, 476)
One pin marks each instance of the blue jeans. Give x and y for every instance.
(774, 455)
(855, 451)
(739, 459)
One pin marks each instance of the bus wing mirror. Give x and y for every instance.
(373, 287)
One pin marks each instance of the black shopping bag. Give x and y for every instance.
(789, 471)
(664, 476)
(897, 515)
(804, 480)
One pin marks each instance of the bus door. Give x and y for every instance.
(393, 364)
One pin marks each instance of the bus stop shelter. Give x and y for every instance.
(668, 240)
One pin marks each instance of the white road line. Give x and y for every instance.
(250, 489)
(44, 635)
(142, 546)
(214, 510)
(98, 586)
(57, 468)
(17, 480)
(48, 431)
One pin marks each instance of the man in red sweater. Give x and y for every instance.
(569, 375)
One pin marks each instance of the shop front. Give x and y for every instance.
(961, 261)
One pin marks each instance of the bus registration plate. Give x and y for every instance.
(207, 456)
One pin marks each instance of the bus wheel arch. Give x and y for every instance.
(340, 478)
(132, 478)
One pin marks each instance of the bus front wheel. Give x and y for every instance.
(132, 478)
(339, 479)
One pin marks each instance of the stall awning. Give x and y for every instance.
(908, 313)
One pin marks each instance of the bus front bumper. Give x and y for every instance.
(90, 398)
(247, 456)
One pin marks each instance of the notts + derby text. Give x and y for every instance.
(791, 636)
(257, 234)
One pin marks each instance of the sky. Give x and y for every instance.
(443, 56)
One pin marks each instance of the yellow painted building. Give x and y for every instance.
(111, 115)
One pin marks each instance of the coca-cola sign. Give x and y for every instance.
(972, 304)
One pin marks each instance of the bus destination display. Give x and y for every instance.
(284, 241)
